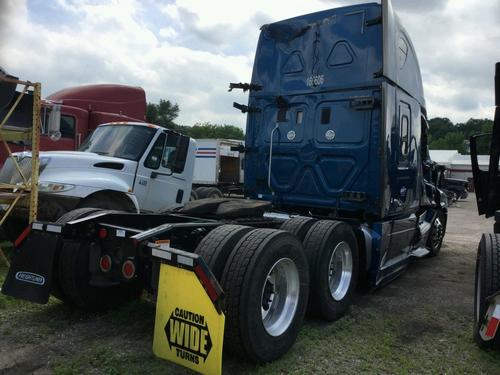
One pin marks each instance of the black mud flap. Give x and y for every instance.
(30, 273)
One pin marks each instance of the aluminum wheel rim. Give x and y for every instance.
(437, 233)
(340, 271)
(280, 296)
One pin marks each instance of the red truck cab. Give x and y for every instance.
(83, 108)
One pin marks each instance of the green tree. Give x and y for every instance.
(439, 127)
(445, 135)
(163, 114)
(451, 141)
(208, 130)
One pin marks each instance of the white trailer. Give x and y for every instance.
(218, 168)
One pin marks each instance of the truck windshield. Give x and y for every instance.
(120, 141)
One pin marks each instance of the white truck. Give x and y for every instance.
(218, 168)
(128, 166)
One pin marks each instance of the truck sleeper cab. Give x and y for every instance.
(339, 182)
(335, 126)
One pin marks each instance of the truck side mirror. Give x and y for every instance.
(54, 125)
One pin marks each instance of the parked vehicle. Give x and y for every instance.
(79, 110)
(127, 166)
(219, 168)
(458, 187)
(487, 282)
(340, 188)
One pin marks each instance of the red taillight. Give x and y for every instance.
(128, 269)
(103, 233)
(105, 263)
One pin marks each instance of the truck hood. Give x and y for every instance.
(84, 171)
(78, 159)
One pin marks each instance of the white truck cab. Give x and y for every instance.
(129, 166)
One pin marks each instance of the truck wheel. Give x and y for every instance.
(436, 236)
(200, 192)
(193, 196)
(71, 276)
(215, 247)
(332, 252)
(266, 282)
(107, 202)
(299, 226)
(74, 277)
(209, 192)
(487, 283)
(79, 213)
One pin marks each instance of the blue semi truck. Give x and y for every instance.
(340, 191)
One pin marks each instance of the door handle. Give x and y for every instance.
(154, 174)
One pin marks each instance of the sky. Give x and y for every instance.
(188, 51)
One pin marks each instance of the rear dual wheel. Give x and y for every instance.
(333, 256)
(266, 284)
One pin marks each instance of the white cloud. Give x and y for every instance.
(188, 51)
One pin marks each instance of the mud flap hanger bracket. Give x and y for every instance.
(192, 262)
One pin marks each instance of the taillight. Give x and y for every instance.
(103, 233)
(128, 269)
(105, 263)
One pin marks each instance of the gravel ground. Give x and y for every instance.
(420, 323)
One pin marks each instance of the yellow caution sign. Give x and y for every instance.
(188, 328)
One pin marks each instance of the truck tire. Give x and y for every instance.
(487, 283)
(216, 246)
(106, 201)
(193, 196)
(298, 226)
(266, 281)
(332, 252)
(73, 275)
(200, 192)
(74, 281)
(209, 192)
(79, 213)
(436, 236)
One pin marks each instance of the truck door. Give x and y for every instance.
(157, 186)
(404, 176)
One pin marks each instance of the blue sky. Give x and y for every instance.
(189, 50)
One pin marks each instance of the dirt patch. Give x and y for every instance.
(419, 323)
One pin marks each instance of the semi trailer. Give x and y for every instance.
(339, 188)
(218, 168)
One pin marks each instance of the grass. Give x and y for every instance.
(379, 335)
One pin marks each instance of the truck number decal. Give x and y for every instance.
(313, 81)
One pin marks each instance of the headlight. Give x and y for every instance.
(54, 187)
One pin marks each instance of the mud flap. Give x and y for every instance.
(30, 272)
(189, 324)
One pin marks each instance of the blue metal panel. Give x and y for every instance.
(315, 63)
(330, 152)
